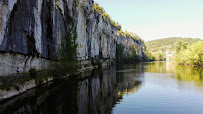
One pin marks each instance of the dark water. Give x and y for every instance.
(157, 87)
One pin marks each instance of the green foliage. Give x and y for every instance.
(41, 76)
(159, 47)
(132, 35)
(87, 65)
(99, 64)
(96, 62)
(148, 56)
(12, 81)
(33, 72)
(120, 32)
(167, 43)
(97, 8)
(159, 56)
(105, 16)
(67, 62)
(129, 58)
(15, 81)
(119, 53)
(180, 45)
(5, 87)
(100, 10)
(189, 54)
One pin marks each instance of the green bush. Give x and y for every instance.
(66, 62)
(99, 63)
(12, 81)
(126, 58)
(119, 53)
(96, 62)
(87, 65)
(189, 54)
(5, 87)
(100, 10)
(33, 72)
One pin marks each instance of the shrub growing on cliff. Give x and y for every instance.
(96, 62)
(147, 56)
(42, 75)
(67, 62)
(119, 53)
(100, 10)
(39, 76)
(33, 72)
(132, 58)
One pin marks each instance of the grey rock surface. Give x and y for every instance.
(36, 28)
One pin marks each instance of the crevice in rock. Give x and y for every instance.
(49, 31)
(8, 40)
(31, 48)
(25, 65)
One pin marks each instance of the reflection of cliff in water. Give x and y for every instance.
(129, 78)
(90, 92)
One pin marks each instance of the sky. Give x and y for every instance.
(155, 19)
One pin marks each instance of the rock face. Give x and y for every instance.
(130, 44)
(35, 29)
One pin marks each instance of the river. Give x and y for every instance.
(153, 87)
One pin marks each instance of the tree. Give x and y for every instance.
(189, 54)
(119, 53)
(66, 62)
(197, 53)
(180, 45)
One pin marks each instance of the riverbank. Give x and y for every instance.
(17, 84)
(76, 90)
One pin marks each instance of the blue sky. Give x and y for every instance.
(155, 19)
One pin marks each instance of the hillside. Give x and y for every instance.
(167, 43)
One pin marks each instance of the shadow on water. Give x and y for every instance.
(96, 91)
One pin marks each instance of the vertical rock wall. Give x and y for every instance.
(34, 30)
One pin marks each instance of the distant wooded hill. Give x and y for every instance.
(167, 43)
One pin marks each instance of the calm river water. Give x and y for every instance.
(156, 87)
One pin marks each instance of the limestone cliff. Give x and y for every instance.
(31, 32)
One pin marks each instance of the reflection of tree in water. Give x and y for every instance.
(90, 92)
(190, 74)
(181, 73)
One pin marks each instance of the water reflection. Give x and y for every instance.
(88, 93)
(181, 73)
(160, 67)
(156, 87)
(165, 88)
(129, 79)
